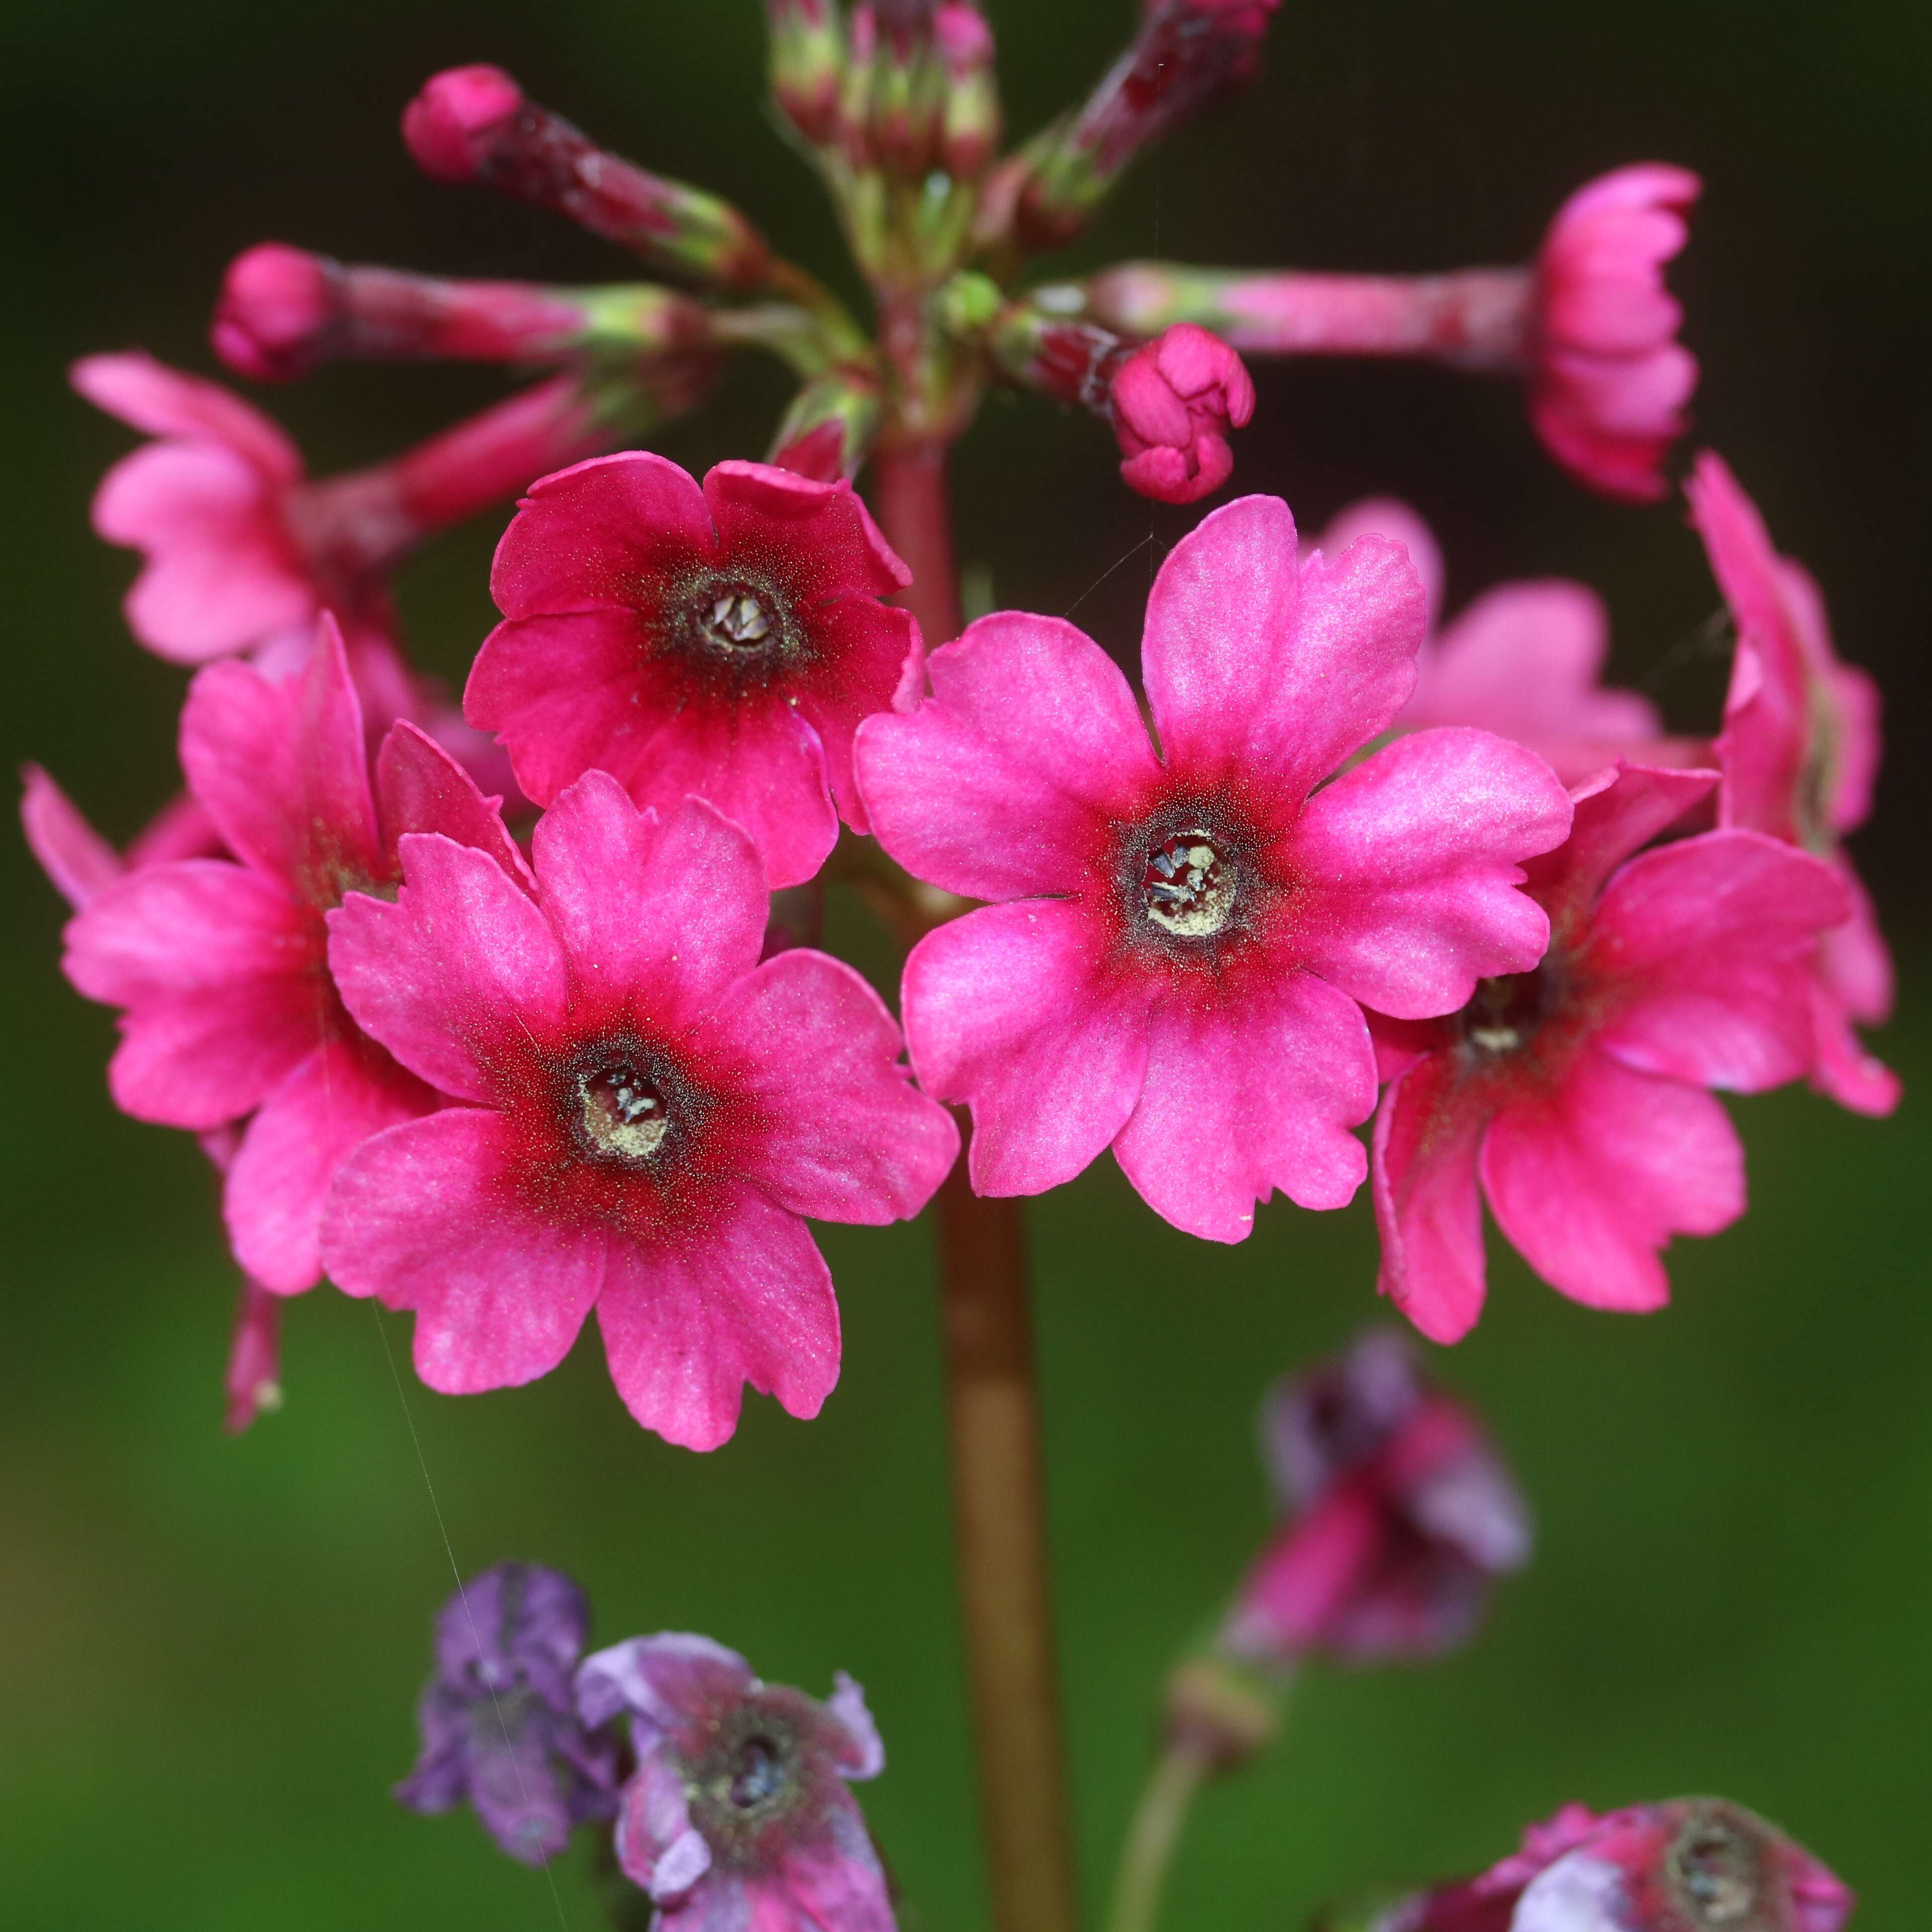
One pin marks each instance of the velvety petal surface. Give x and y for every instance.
(79, 863)
(1010, 1010)
(421, 788)
(149, 396)
(685, 1328)
(1241, 1100)
(822, 530)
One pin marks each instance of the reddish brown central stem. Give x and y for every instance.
(992, 1406)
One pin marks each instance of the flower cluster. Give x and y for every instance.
(726, 1797)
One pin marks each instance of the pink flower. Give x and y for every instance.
(723, 642)
(253, 1379)
(1179, 941)
(1523, 660)
(1576, 1092)
(243, 550)
(738, 1816)
(1663, 1867)
(646, 1114)
(1608, 377)
(1800, 755)
(1400, 1514)
(220, 965)
(1174, 401)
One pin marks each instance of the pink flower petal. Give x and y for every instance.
(685, 1328)
(850, 1138)
(1589, 1180)
(994, 786)
(80, 862)
(1409, 867)
(1716, 935)
(672, 906)
(838, 1888)
(1251, 662)
(1854, 962)
(1428, 1132)
(871, 649)
(1617, 810)
(454, 972)
(151, 397)
(823, 529)
(1842, 1070)
(1243, 1100)
(422, 788)
(1009, 1010)
(582, 538)
(1387, 517)
(426, 1215)
(282, 771)
(343, 1093)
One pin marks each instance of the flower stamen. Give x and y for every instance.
(1187, 888)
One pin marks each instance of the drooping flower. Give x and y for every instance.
(1800, 754)
(243, 550)
(220, 965)
(646, 1114)
(738, 1816)
(1179, 941)
(1609, 380)
(1174, 401)
(723, 642)
(1576, 1093)
(1523, 660)
(500, 1729)
(1687, 1865)
(1400, 1514)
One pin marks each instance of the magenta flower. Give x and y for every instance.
(1800, 756)
(739, 1817)
(646, 1114)
(1576, 1093)
(1685, 1863)
(1400, 1512)
(723, 642)
(1608, 377)
(220, 965)
(1180, 940)
(1174, 401)
(499, 1719)
(1523, 660)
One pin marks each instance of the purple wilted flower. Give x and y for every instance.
(739, 1816)
(500, 1728)
(1400, 1514)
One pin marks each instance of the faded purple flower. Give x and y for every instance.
(500, 1727)
(739, 1816)
(1400, 1512)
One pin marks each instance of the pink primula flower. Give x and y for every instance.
(1576, 1094)
(647, 1113)
(723, 642)
(1800, 755)
(220, 965)
(1523, 660)
(1174, 400)
(738, 1818)
(1608, 378)
(1181, 937)
(1662, 1867)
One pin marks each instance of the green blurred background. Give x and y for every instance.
(209, 1648)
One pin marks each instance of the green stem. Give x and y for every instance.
(1153, 1835)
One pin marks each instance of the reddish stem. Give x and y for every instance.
(992, 1404)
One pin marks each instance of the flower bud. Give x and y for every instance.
(474, 123)
(1173, 401)
(807, 65)
(253, 1380)
(969, 115)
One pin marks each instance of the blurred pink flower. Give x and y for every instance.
(1400, 1512)
(219, 963)
(1523, 660)
(1179, 941)
(1174, 401)
(738, 1819)
(1800, 756)
(646, 1114)
(723, 642)
(1609, 378)
(1576, 1093)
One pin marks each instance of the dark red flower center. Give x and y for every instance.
(758, 1773)
(622, 1116)
(1507, 1012)
(1187, 887)
(731, 624)
(1716, 1869)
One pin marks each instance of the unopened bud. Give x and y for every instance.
(475, 124)
(828, 431)
(1221, 1712)
(1174, 401)
(969, 132)
(807, 65)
